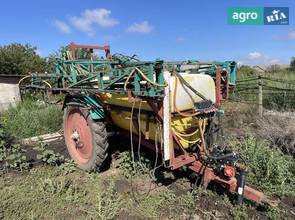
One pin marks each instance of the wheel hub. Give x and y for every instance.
(78, 136)
(75, 136)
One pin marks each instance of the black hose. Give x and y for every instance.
(221, 157)
(189, 86)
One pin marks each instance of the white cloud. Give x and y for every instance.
(257, 58)
(291, 35)
(274, 61)
(143, 27)
(89, 18)
(180, 39)
(62, 26)
(254, 56)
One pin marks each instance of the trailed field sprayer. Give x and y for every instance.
(169, 107)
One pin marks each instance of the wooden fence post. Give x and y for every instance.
(260, 104)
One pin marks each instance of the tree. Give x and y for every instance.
(245, 71)
(51, 61)
(18, 59)
(80, 53)
(292, 64)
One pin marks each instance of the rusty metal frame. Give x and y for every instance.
(107, 49)
(227, 85)
(230, 184)
(182, 158)
(218, 87)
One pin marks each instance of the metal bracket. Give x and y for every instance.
(166, 117)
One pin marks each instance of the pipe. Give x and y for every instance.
(221, 157)
(241, 186)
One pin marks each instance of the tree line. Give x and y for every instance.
(21, 59)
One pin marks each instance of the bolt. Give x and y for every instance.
(75, 136)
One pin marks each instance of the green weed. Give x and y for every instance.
(50, 157)
(153, 206)
(269, 169)
(239, 212)
(15, 158)
(31, 118)
(129, 168)
(43, 193)
(62, 187)
(273, 213)
(108, 204)
(11, 155)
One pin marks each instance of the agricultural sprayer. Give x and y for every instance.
(168, 107)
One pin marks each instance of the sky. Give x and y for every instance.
(151, 29)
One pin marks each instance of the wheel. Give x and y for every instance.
(26, 90)
(86, 140)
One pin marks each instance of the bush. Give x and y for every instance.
(130, 168)
(12, 156)
(48, 156)
(269, 169)
(108, 204)
(31, 118)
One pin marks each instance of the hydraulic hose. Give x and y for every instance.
(143, 76)
(221, 157)
(184, 140)
(22, 79)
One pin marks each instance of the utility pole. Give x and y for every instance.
(260, 106)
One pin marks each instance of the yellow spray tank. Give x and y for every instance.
(181, 99)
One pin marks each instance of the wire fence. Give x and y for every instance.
(268, 92)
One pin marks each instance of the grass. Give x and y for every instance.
(46, 193)
(269, 169)
(109, 204)
(26, 196)
(31, 118)
(58, 191)
(130, 168)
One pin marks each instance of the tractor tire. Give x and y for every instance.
(86, 139)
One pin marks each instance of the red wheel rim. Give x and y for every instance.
(78, 136)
